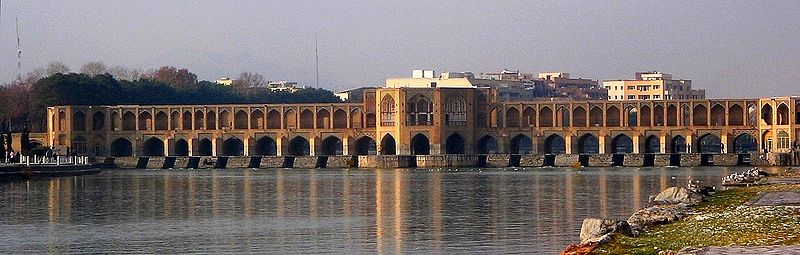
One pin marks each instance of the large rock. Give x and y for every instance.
(676, 195)
(600, 230)
(658, 215)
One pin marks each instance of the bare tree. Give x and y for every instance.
(250, 80)
(94, 68)
(120, 73)
(56, 67)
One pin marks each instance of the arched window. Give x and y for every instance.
(387, 111)
(783, 140)
(420, 111)
(456, 111)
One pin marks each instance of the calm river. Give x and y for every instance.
(294, 211)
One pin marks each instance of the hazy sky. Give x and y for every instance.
(730, 48)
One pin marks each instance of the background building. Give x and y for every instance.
(652, 86)
(564, 86)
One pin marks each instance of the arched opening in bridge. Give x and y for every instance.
(456, 111)
(545, 117)
(420, 110)
(366, 146)
(454, 144)
(752, 116)
(700, 115)
(232, 147)
(387, 111)
(555, 144)
(290, 119)
(388, 146)
(370, 120)
(187, 121)
(199, 121)
(588, 144)
(652, 145)
(487, 145)
(672, 116)
(529, 117)
(645, 116)
(783, 140)
(579, 117)
(356, 119)
(633, 117)
(766, 114)
(204, 148)
(257, 119)
(678, 145)
(622, 144)
(564, 116)
(767, 141)
(420, 145)
(306, 119)
(596, 117)
(145, 121)
(175, 120)
(128, 121)
(162, 122)
(745, 143)
(121, 148)
(240, 120)
(181, 148)
(224, 119)
(98, 121)
(79, 121)
(736, 115)
(494, 119)
(783, 114)
(709, 143)
(481, 110)
(211, 120)
(323, 119)
(299, 146)
(116, 123)
(718, 115)
(658, 116)
(797, 114)
(273, 120)
(266, 146)
(512, 117)
(153, 147)
(521, 144)
(686, 116)
(339, 119)
(332, 146)
(612, 117)
(62, 121)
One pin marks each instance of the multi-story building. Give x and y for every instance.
(564, 86)
(505, 90)
(652, 86)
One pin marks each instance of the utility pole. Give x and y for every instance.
(19, 53)
(316, 58)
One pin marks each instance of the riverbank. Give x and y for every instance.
(22, 172)
(735, 217)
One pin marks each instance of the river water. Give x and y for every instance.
(291, 211)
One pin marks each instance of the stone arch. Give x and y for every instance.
(596, 117)
(420, 145)
(487, 145)
(199, 120)
(494, 118)
(273, 119)
(563, 116)
(672, 116)
(224, 119)
(555, 144)
(512, 117)
(767, 142)
(290, 119)
(332, 145)
(232, 147)
(145, 121)
(211, 120)
(645, 116)
(181, 148)
(529, 117)
(736, 115)
(339, 119)
(621, 144)
(175, 120)
(240, 120)
(356, 119)
(62, 121)
(658, 116)
(613, 117)
(454, 144)
(162, 121)
(783, 114)
(455, 111)
(323, 119)
(266, 146)
(652, 144)
(116, 122)
(153, 147)
(128, 121)
(388, 145)
(204, 148)
(766, 114)
(387, 111)
(521, 144)
(420, 110)
(579, 117)
(78, 121)
(545, 117)
(686, 115)
(366, 146)
(700, 115)
(121, 147)
(678, 144)
(186, 121)
(633, 116)
(745, 143)
(299, 146)
(718, 115)
(98, 121)
(257, 119)
(306, 119)
(588, 144)
(709, 143)
(751, 115)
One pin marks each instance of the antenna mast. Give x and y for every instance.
(19, 53)
(316, 58)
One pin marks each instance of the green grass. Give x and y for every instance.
(722, 220)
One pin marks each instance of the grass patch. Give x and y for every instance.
(722, 220)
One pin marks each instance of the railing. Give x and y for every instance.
(58, 160)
